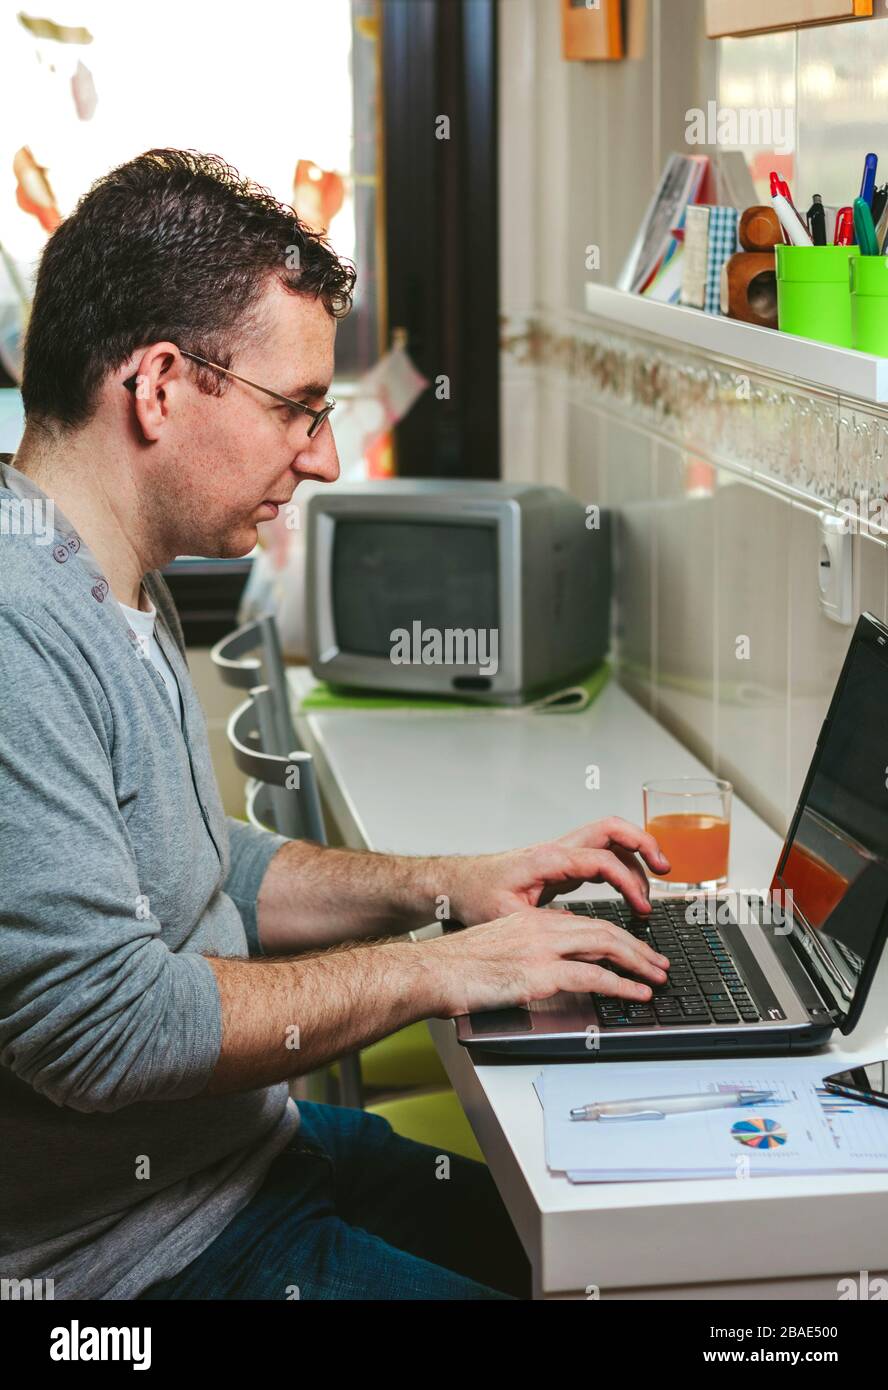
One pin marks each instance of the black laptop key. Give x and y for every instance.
(702, 964)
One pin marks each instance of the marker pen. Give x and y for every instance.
(817, 221)
(863, 226)
(780, 188)
(796, 232)
(844, 227)
(868, 183)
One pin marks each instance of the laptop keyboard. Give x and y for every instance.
(705, 986)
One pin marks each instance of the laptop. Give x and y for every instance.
(751, 973)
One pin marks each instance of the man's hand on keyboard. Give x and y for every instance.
(534, 954)
(488, 886)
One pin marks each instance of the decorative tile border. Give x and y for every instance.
(810, 443)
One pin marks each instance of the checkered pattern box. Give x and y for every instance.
(710, 241)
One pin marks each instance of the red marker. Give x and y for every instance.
(781, 189)
(844, 227)
(779, 185)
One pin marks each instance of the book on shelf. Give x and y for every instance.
(657, 263)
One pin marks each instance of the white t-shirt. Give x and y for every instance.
(142, 624)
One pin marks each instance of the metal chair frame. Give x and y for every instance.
(282, 795)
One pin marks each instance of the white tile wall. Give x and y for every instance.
(684, 600)
(705, 558)
(752, 641)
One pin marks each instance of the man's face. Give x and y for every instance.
(231, 460)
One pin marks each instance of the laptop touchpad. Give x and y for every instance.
(515, 1020)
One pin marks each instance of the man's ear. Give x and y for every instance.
(159, 374)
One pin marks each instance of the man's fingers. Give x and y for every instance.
(589, 865)
(601, 939)
(630, 836)
(581, 978)
(633, 864)
(620, 832)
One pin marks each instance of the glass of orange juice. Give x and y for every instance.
(690, 818)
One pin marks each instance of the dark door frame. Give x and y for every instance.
(439, 60)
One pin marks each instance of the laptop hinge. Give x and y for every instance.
(799, 964)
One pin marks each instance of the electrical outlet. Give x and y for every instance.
(835, 574)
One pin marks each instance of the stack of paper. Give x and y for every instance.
(802, 1129)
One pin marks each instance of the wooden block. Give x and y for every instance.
(750, 287)
(760, 229)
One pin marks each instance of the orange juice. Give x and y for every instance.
(696, 847)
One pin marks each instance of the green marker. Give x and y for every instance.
(864, 229)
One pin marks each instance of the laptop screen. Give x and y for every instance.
(835, 859)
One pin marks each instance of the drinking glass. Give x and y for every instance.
(690, 818)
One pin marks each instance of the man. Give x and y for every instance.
(165, 974)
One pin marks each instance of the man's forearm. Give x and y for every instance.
(284, 1018)
(312, 896)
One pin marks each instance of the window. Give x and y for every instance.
(285, 90)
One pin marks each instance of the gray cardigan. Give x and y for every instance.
(119, 873)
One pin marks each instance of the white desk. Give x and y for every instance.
(465, 782)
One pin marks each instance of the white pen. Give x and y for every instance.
(790, 221)
(658, 1107)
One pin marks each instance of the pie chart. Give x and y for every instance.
(759, 1133)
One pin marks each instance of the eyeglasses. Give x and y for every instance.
(317, 416)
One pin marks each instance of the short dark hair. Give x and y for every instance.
(173, 244)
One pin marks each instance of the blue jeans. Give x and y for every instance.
(350, 1210)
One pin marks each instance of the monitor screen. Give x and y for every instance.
(835, 861)
(390, 574)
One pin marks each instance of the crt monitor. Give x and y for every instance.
(484, 591)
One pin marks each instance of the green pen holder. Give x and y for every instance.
(869, 304)
(814, 292)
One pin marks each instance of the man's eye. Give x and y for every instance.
(291, 411)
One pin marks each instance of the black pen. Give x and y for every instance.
(817, 221)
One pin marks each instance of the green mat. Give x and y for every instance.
(329, 697)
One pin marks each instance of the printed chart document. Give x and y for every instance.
(802, 1129)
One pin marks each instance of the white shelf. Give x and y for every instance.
(836, 369)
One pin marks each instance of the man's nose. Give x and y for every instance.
(320, 457)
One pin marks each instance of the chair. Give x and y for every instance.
(237, 666)
(286, 781)
(436, 1119)
(283, 795)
